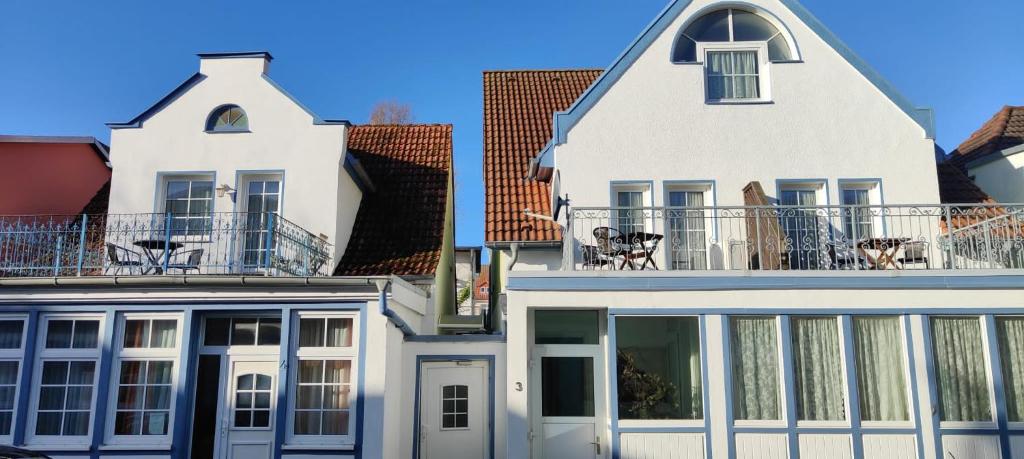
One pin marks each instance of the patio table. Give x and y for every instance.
(642, 245)
(150, 246)
(886, 247)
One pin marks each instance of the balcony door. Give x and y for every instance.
(687, 238)
(805, 233)
(262, 197)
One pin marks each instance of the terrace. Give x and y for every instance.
(249, 244)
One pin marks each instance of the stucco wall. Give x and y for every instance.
(1002, 178)
(825, 120)
(282, 138)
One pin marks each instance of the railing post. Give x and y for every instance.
(854, 224)
(949, 237)
(81, 244)
(757, 232)
(167, 241)
(569, 238)
(268, 249)
(988, 243)
(56, 257)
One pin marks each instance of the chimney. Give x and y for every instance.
(254, 61)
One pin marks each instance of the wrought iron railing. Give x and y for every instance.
(263, 244)
(903, 237)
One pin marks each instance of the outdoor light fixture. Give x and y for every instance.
(224, 189)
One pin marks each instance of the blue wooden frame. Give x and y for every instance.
(420, 359)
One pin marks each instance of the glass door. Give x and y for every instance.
(262, 198)
(802, 228)
(687, 239)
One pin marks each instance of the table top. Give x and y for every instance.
(638, 236)
(882, 242)
(158, 244)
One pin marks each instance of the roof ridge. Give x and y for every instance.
(405, 125)
(991, 129)
(579, 69)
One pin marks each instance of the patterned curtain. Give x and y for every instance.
(755, 368)
(960, 368)
(880, 379)
(818, 365)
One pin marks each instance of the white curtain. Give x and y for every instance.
(819, 369)
(1011, 358)
(755, 368)
(732, 75)
(164, 333)
(880, 369)
(960, 368)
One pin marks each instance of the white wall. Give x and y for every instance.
(318, 194)
(1002, 178)
(825, 120)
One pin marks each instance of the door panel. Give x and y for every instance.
(250, 406)
(569, 411)
(454, 416)
(569, 441)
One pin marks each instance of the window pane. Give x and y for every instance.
(339, 332)
(177, 189)
(10, 333)
(960, 368)
(131, 372)
(335, 423)
(159, 372)
(307, 422)
(8, 372)
(136, 333)
(659, 368)
(566, 327)
(55, 373)
(751, 27)
(567, 386)
(755, 368)
(87, 334)
(155, 423)
(58, 334)
(164, 333)
(243, 332)
(878, 346)
(270, 332)
(337, 371)
(217, 332)
(336, 397)
(79, 398)
(130, 397)
(685, 50)
(127, 423)
(309, 397)
(1011, 357)
(778, 49)
(81, 373)
(713, 26)
(6, 398)
(48, 423)
(818, 369)
(311, 371)
(76, 423)
(6, 421)
(311, 332)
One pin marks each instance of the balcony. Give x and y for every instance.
(811, 238)
(249, 244)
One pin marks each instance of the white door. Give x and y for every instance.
(262, 197)
(570, 421)
(248, 422)
(454, 410)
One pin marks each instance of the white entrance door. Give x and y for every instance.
(248, 421)
(453, 410)
(571, 421)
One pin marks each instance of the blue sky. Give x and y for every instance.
(68, 67)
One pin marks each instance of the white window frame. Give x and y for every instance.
(44, 354)
(161, 198)
(907, 381)
(1012, 425)
(15, 355)
(784, 393)
(350, 353)
(986, 346)
(239, 349)
(123, 354)
(707, 188)
(875, 199)
(846, 422)
(764, 85)
(647, 202)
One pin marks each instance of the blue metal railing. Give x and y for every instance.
(263, 244)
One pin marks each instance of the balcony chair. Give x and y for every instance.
(120, 258)
(610, 247)
(192, 258)
(915, 252)
(594, 259)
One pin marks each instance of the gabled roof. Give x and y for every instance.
(563, 121)
(1003, 131)
(399, 228)
(100, 148)
(956, 188)
(518, 106)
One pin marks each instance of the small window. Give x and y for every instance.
(454, 407)
(252, 401)
(325, 332)
(228, 118)
(566, 327)
(72, 334)
(733, 75)
(242, 331)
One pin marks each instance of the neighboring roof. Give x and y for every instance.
(956, 188)
(399, 229)
(518, 106)
(1003, 131)
(483, 280)
(99, 147)
(565, 120)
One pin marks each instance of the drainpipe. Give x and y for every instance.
(515, 255)
(382, 288)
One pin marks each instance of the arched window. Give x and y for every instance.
(731, 25)
(227, 118)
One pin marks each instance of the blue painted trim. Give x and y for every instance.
(933, 389)
(392, 316)
(702, 321)
(730, 411)
(177, 307)
(644, 282)
(316, 118)
(160, 190)
(563, 121)
(25, 382)
(852, 390)
(235, 55)
(826, 430)
(107, 345)
(788, 384)
(361, 394)
(680, 429)
(161, 104)
(355, 170)
(456, 339)
(915, 403)
(999, 410)
(181, 430)
(822, 311)
(284, 383)
(420, 359)
(612, 360)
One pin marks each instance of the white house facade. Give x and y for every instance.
(732, 243)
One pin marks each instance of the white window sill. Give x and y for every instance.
(740, 102)
(57, 447)
(318, 447)
(138, 447)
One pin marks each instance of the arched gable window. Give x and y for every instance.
(227, 118)
(731, 25)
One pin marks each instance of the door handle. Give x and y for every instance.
(597, 444)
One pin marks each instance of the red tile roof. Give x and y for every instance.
(518, 106)
(1004, 130)
(399, 228)
(957, 188)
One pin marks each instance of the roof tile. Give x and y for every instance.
(1004, 130)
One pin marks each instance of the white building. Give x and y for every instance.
(265, 284)
(748, 255)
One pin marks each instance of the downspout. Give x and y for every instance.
(382, 288)
(515, 255)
